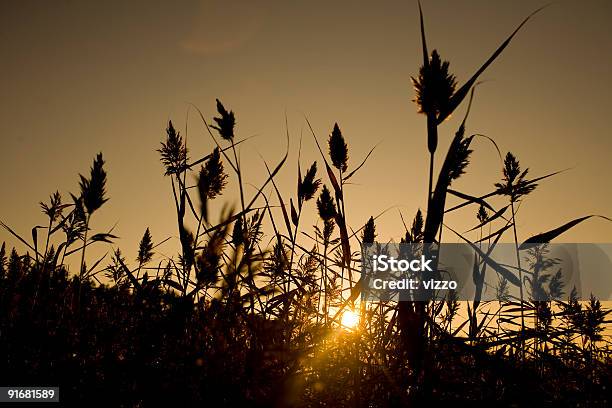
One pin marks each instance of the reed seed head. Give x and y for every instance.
(173, 151)
(416, 231)
(188, 254)
(308, 187)
(369, 232)
(208, 261)
(482, 214)
(514, 183)
(434, 86)
(93, 189)
(502, 293)
(145, 248)
(325, 205)
(238, 233)
(225, 123)
(53, 210)
(459, 155)
(338, 150)
(212, 178)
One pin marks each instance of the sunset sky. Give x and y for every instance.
(80, 77)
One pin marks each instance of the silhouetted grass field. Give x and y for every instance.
(258, 309)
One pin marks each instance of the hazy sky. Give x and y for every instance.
(80, 77)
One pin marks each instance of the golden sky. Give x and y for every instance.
(80, 77)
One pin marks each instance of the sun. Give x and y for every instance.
(350, 319)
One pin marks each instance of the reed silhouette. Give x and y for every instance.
(257, 310)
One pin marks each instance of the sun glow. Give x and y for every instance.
(350, 319)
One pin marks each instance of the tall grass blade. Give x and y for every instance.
(458, 97)
(548, 236)
(492, 263)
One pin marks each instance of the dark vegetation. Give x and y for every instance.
(243, 316)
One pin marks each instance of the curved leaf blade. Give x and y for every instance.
(554, 233)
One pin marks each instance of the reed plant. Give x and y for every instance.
(256, 308)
